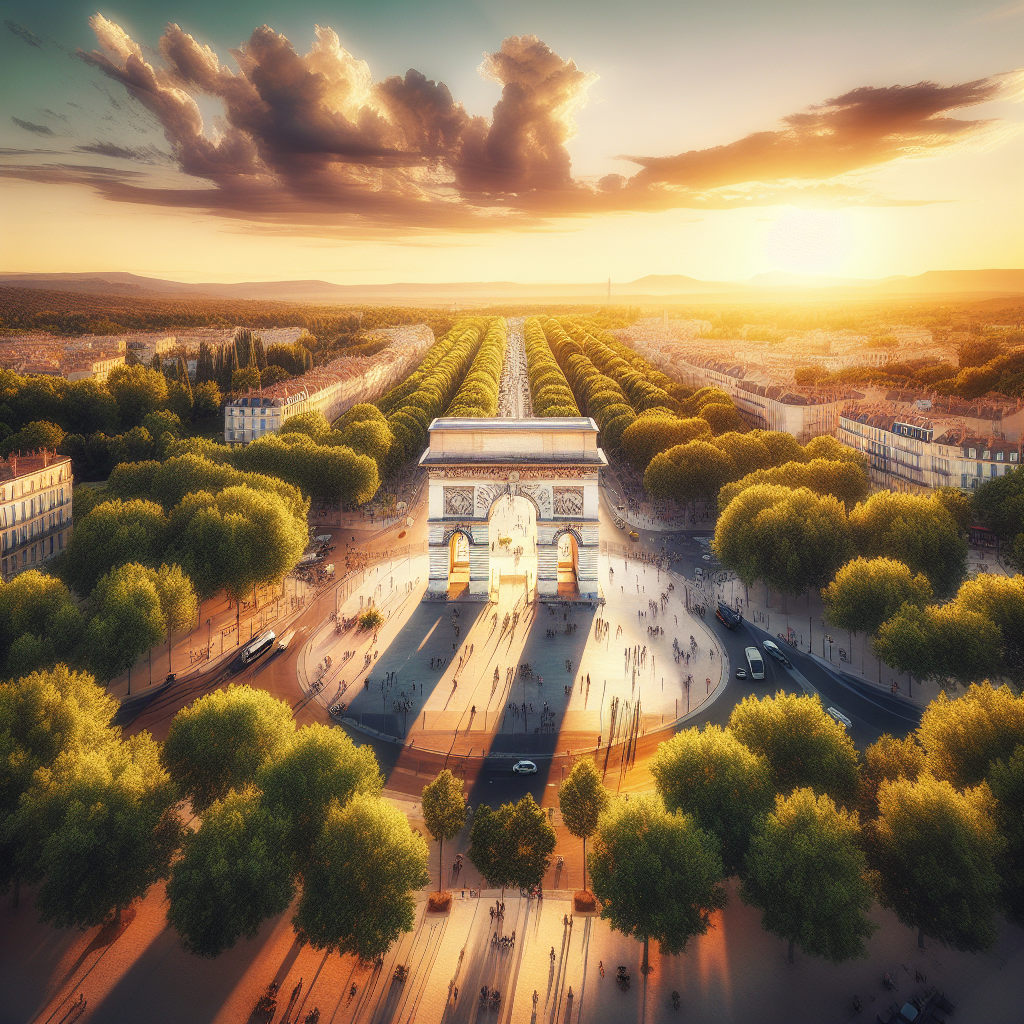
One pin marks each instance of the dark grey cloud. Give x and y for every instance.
(24, 33)
(39, 129)
(141, 154)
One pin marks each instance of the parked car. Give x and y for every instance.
(524, 768)
(770, 647)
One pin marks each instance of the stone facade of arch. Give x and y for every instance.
(552, 463)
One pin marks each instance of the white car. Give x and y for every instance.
(754, 662)
(524, 768)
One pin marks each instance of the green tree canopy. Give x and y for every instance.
(364, 911)
(39, 623)
(866, 592)
(44, 716)
(710, 774)
(319, 766)
(807, 875)
(934, 851)
(582, 799)
(847, 481)
(1006, 779)
(137, 391)
(651, 433)
(915, 530)
(128, 619)
(98, 829)
(444, 814)
(230, 877)
(512, 845)
(789, 539)
(221, 742)
(112, 534)
(801, 745)
(689, 472)
(964, 737)
(657, 875)
(1001, 600)
(886, 760)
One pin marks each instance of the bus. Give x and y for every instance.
(256, 646)
(756, 663)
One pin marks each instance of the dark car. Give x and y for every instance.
(729, 617)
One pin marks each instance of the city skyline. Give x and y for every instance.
(171, 140)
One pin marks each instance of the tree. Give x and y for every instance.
(747, 452)
(722, 417)
(177, 600)
(137, 391)
(1001, 600)
(313, 424)
(999, 505)
(1006, 779)
(33, 437)
(944, 642)
(689, 472)
(511, 846)
(582, 799)
(230, 877)
(384, 861)
(39, 623)
(319, 767)
(710, 774)
(915, 530)
(207, 400)
(128, 619)
(238, 539)
(220, 742)
(934, 852)
(790, 539)
(806, 873)
(98, 830)
(113, 533)
(444, 814)
(867, 592)
(44, 716)
(657, 875)
(246, 378)
(848, 481)
(886, 760)
(652, 433)
(963, 738)
(801, 745)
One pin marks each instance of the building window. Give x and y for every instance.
(999, 456)
(1013, 456)
(972, 453)
(60, 541)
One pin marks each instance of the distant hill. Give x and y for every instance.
(974, 284)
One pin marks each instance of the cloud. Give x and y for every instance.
(23, 33)
(39, 129)
(142, 154)
(311, 144)
(858, 130)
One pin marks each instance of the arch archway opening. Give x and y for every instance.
(458, 563)
(512, 538)
(568, 565)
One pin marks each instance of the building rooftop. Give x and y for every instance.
(532, 424)
(15, 466)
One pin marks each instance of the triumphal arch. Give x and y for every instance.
(513, 500)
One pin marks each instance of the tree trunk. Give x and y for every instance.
(920, 938)
(644, 966)
(791, 943)
(440, 864)
(584, 863)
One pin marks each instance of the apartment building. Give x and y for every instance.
(35, 509)
(906, 453)
(94, 369)
(332, 389)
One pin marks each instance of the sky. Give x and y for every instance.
(514, 140)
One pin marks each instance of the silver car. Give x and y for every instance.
(524, 768)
